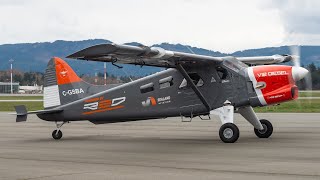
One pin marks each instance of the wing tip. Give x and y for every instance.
(94, 51)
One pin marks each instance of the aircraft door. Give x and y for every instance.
(185, 91)
(236, 83)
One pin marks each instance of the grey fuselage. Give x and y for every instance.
(163, 94)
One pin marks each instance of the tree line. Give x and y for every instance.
(37, 78)
(32, 78)
(312, 81)
(24, 78)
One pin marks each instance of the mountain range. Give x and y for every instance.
(35, 56)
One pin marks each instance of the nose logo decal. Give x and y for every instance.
(272, 73)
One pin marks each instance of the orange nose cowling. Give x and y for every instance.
(280, 83)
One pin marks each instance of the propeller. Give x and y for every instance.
(295, 51)
(295, 54)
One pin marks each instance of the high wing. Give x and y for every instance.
(144, 56)
(156, 56)
(264, 60)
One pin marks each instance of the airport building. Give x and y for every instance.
(5, 87)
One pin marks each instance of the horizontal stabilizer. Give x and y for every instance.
(45, 111)
(21, 113)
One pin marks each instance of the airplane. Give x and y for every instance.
(190, 85)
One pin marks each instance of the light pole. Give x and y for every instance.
(96, 77)
(11, 61)
(105, 73)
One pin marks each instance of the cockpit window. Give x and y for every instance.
(234, 64)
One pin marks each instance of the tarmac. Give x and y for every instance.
(160, 149)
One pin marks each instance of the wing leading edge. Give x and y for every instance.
(156, 56)
(148, 56)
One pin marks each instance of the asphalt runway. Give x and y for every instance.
(160, 149)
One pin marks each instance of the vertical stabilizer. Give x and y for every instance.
(62, 85)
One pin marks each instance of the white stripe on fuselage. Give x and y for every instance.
(254, 83)
(51, 96)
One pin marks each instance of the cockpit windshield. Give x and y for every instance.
(234, 64)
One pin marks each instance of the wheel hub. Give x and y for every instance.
(228, 133)
(264, 130)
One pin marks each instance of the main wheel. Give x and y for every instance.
(229, 133)
(57, 134)
(267, 129)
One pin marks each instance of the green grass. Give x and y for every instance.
(309, 94)
(31, 106)
(298, 106)
(20, 97)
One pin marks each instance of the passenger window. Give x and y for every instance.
(197, 80)
(183, 84)
(200, 83)
(147, 88)
(166, 82)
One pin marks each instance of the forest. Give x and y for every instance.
(32, 78)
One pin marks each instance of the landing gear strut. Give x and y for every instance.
(262, 128)
(57, 134)
(229, 132)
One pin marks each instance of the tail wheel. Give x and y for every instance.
(57, 134)
(229, 133)
(267, 129)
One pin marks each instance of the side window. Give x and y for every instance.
(147, 88)
(222, 73)
(197, 80)
(166, 82)
(183, 84)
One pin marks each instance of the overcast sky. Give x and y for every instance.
(220, 25)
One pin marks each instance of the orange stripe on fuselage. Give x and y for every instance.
(94, 99)
(91, 100)
(102, 110)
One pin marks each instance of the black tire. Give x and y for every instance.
(57, 135)
(229, 133)
(268, 129)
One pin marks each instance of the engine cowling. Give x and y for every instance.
(275, 83)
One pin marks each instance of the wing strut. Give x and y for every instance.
(193, 86)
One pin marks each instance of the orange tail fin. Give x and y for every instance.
(64, 73)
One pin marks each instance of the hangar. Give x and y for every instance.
(5, 87)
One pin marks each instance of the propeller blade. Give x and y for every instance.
(295, 51)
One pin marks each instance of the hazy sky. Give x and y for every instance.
(221, 25)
